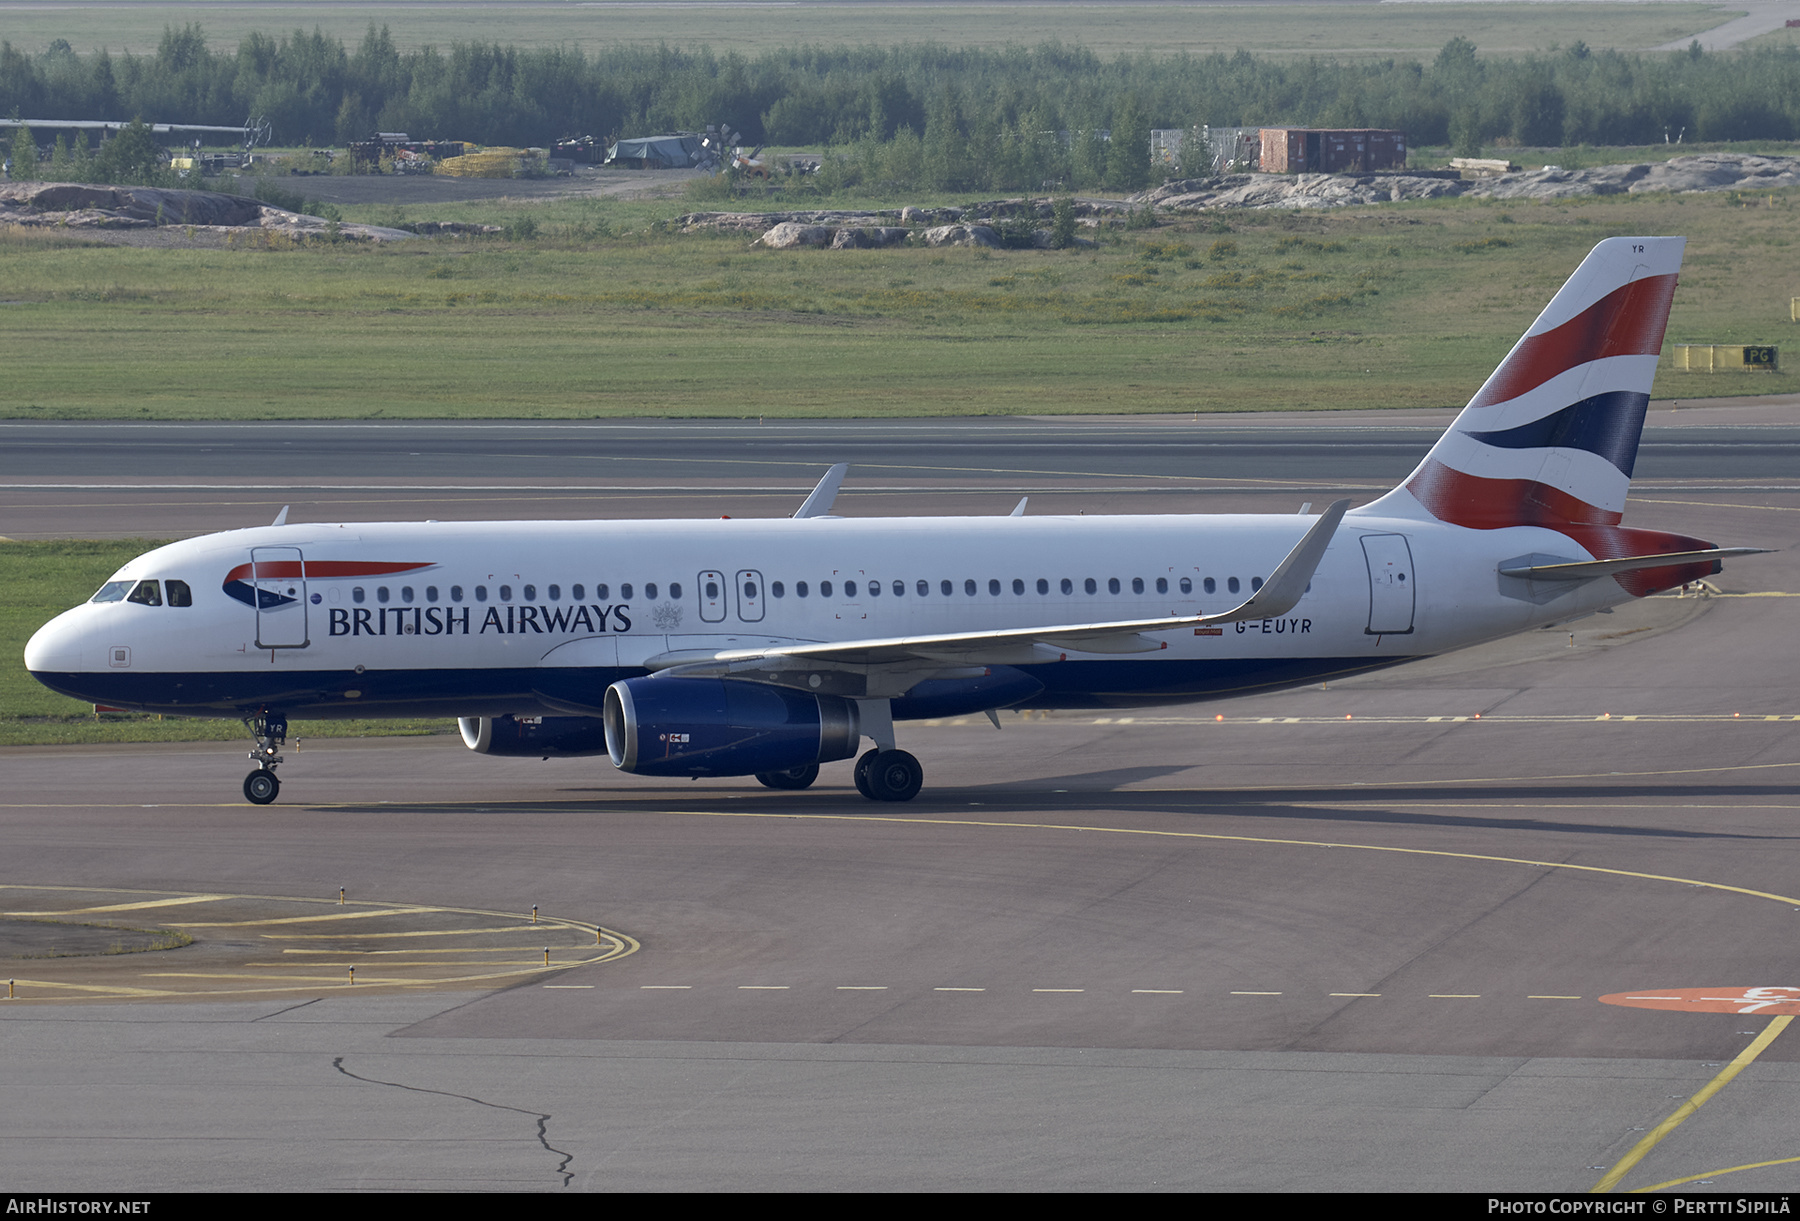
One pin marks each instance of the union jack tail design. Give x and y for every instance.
(1551, 438)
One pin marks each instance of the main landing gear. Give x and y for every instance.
(270, 731)
(889, 775)
(793, 778)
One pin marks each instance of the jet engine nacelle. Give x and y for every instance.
(719, 727)
(541, 736)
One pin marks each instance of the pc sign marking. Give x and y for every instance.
(1772, 1001)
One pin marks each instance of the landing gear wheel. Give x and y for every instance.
(270, 731)
(895, 776)
(261, 787)
(861, 774)
(793, 778)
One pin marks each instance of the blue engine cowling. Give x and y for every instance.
(568, 736)
(718, 727)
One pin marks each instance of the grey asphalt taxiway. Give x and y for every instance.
(1345, 937)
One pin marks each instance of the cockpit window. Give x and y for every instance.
(179, 594)
(148, 593)
(112, 591)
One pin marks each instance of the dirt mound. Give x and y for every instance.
(79, 205)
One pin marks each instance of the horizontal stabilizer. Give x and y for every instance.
(1587, 570)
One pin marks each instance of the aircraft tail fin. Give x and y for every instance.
(1552, 436)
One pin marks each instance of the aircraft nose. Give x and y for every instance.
(57, 647)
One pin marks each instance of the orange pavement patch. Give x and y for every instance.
(1765, 999)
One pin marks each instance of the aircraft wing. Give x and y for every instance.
(1007, 646)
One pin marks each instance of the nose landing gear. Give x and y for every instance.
(270, 731)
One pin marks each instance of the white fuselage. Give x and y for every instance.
(489, 618)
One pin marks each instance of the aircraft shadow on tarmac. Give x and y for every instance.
(1066, 795)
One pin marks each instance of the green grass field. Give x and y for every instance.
(1412, 30)
(1397, 306)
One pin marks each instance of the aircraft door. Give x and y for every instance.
(278, 574)
(750, 595)
(1391, 583)
(712, 596)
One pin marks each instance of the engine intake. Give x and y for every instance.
(720, 727)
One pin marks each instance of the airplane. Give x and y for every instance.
(766, 648)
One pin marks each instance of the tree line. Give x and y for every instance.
(951, 110)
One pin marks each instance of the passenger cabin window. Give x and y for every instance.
(650, 589)
(969, 588)
(1090, 586)
(406, 594)
(112, 591)
(1162, 585)
(1211, 586)
(944, 587)
(625, 591)
(356, 594)
(531, 593)
(600, 591)
(778, 589)
(1112, 585)
(505, 594)
(1231, 583)
(577, 592)
(179, 593)
(800, 589)
(1137, 585)
(824, 589)
(381, 594)
(1068, 586)
(556, 593)
(1043, 586)
(147, 593)
(675, 589)
(924, 588)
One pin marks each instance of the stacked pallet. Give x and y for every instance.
(489, 163)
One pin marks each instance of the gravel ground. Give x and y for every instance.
(432, 189)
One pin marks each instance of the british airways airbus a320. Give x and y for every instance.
(766, 648)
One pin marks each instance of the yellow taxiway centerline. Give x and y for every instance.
(1757, 1046)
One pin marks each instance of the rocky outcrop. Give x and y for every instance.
(1705, 172)
(79, 205)
(453, 228)
(762, 222)
(791, 233)
(961, 235)
(870, 239)
(1088, 211)
(1296, 191)
(132, 205)
(1682, 175)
